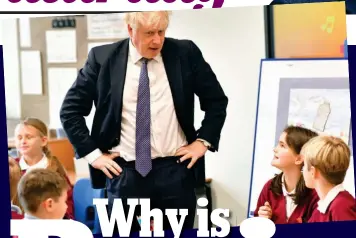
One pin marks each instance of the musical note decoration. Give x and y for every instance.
(328, 26)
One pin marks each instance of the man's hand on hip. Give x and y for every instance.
(194, 151)
(106, 164)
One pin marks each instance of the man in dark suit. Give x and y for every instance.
(143, 143)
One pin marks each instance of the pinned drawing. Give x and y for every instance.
(326, 111)
(322, 116)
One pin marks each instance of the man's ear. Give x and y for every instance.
(130, 30)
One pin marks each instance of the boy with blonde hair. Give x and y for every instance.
(43, 194)
(326, 161)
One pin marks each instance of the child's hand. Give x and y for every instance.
(265, 211)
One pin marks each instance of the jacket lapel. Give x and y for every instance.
(118, 66)
(171, 60)
(172, 66)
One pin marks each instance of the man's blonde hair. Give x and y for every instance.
(158, 19)
(330, 155)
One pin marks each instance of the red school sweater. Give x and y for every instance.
(342, 208)
(16, 213)
(301, 214)
(70, 210)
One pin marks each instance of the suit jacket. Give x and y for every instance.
(102, 79)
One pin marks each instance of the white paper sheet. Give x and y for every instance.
(106, 26)
(25, 31)
(327, 111)
(94, 44)
(61, 46)
(31, 72)
(59, 82)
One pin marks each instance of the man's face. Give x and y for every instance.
(148, 38)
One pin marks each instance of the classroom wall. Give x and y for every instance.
(19, 105)
(39, 105)
(10, 41)
(232, 40)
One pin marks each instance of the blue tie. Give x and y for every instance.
(143, 123)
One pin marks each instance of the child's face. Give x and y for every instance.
(308, 176)
(28, 140)
(56, 209)
(284, 157)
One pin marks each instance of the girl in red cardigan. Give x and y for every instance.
(31, 137)
(14, 176)
(285, 198)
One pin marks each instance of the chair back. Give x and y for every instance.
(84, 210)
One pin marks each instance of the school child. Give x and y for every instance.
(31, 137)
(285, 198)
(326, 160)
(15, 175)
(43, 194)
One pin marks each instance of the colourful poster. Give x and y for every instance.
(316, 30)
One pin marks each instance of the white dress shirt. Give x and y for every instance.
(166, 133)
(290, 205)
(42, 164)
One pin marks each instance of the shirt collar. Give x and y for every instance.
(136, 56)
(16, 209)
(42, 164)
(284, 189)
(28, 216)
(324, 204)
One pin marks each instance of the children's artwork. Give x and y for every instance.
(320, 104)
(327, 111)
(306, 92)
(106, 26)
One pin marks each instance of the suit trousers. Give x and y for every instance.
(169, 185)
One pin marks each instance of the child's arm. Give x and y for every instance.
(260, 202)
(265, 211)
(263, 201)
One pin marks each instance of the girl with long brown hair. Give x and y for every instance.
(285, 198)
(31, 139)
(14, 177)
